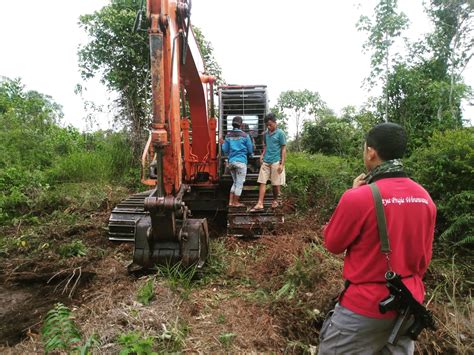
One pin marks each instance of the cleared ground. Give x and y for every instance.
(264, 295)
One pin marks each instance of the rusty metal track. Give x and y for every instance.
(243, 223)
(125, 216)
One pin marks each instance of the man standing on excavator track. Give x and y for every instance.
(272, 163)
(385, 224)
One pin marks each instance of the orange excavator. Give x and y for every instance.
(181, 161)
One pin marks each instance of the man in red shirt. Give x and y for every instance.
(357, 326)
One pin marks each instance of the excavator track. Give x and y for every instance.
(243, 223)
(125, 216)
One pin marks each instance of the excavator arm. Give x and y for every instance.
(180, 151)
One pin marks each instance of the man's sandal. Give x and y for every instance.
(256, 209)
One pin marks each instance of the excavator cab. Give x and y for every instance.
(249, 102)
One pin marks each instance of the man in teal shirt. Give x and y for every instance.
(272, 162)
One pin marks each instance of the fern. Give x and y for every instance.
(59, 331)
(461, 231)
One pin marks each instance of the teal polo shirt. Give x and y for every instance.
(274, 141)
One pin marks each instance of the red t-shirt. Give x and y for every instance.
(410, 215)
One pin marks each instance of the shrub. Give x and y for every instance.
(80, 167)
(19, 187)
(445, 168)
(318, 181)
(134, 343)
(74, 248)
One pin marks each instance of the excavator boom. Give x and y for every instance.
(180, 161)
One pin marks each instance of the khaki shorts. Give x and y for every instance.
(269, 172)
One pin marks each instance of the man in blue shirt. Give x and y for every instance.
(272, 162)
(237, 145)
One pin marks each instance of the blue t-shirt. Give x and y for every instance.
(274, 141)
(237, 145)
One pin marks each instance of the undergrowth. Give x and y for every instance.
(60, 333)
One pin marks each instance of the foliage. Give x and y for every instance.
(146, 292)
(173, 336)
(300, 106)
(170, 340)
(422, 91)
(32, 173)
(74, 248)
(331, 136)
(300, 275)
(119, 56)
(445, 168)
(317, 181)
(226, 339)
(60, 333)
(382, 31)
(451, 41)
(134, 343)
(419, 101)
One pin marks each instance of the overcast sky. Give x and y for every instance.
(309, 45)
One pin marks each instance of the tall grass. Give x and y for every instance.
(318, 181)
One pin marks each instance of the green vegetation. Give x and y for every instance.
(317, 181)
(445, 168)
(226, 339)
(171, 340)
(59, 332)
(146, 292)
(38, 156)
(74, 248)
(54, 178)
(134, 343)
(178, 278)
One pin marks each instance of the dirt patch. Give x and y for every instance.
(221, 320)
(24, 303)
(268, 295)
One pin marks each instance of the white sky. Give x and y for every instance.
(309, 45)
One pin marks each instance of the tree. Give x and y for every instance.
(452, 40)
(341, 136)
(300, 106)
(425, 92)
(120, 57)
(28, 118)
(382, 33)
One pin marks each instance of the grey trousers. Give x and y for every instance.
(349, 333)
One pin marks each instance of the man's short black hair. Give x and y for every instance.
(388, 139)
(237, 122)
(270, 117)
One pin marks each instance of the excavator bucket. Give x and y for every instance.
(131, 220)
